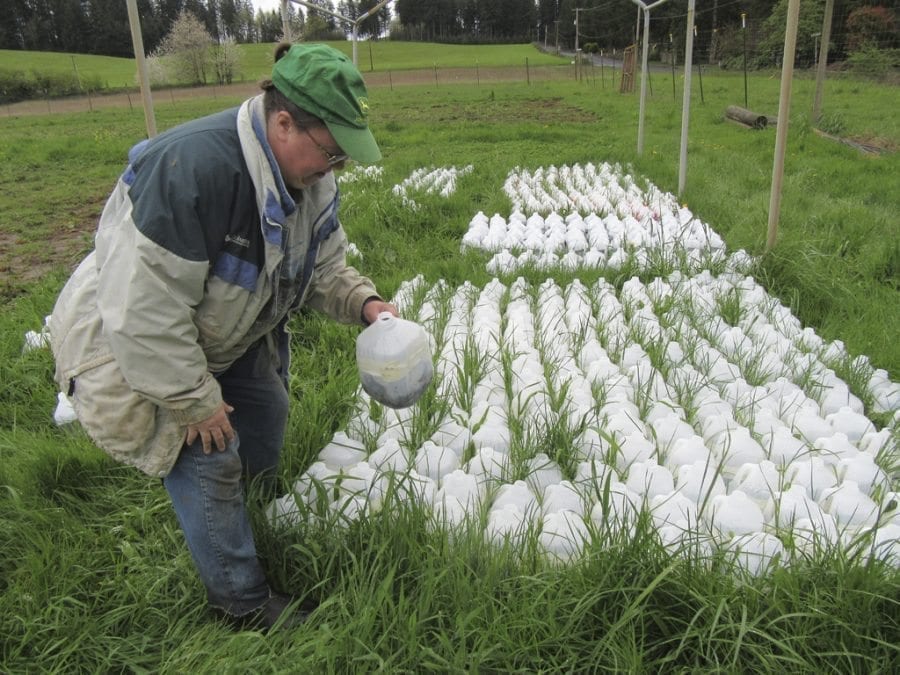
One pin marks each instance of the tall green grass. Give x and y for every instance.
(94, 573)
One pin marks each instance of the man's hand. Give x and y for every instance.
(216, 428)
(374, 307)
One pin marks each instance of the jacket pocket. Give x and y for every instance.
(127, 426)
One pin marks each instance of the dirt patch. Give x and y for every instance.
(870, 145)
(543, 111)
(24, 261)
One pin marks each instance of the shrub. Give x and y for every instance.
(869, 61)
(16, 86)
(871, 26)
(771, 47)
(55, 84)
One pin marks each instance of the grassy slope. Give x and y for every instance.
(95, 575)
(113, 72)
(256, 60)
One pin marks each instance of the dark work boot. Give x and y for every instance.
(279, 611)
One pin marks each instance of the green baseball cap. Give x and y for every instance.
(325, 83)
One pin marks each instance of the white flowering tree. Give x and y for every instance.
(187, 49)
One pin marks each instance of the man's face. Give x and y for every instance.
(303, 155)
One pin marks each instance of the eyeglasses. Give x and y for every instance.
(332, 159)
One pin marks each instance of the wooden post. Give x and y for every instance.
(285, 22)
(686, 97)
(823, 60)
(645, 75)
(784, 110)
(137, 41)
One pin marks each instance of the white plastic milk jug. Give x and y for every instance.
(394, 360)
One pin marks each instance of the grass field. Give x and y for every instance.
(94, 572)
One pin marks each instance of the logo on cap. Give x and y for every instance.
(363, 105)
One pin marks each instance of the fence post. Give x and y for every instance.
(614, 68)
(527, 72)
(700, 73)
(602, 82)
(477, 76)
(672, 57)
(822, 60)
(744, 32)
(784, 113)
(435, 73)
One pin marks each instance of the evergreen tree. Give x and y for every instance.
(110, 31)
(328, 20)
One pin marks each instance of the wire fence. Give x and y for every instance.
(602, 68)
(873, 55)
(436, 76)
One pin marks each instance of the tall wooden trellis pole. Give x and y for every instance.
(137, 41)
(784, 109)
(644, 74)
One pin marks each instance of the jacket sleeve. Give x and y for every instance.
(337, 289)
(146, 297)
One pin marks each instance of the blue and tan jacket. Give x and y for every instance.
(200, 252)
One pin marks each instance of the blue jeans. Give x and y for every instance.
(208, 491)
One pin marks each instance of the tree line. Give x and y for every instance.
(101, 26)
(615, 24)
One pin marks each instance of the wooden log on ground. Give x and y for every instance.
(744, 116)
(866, 148)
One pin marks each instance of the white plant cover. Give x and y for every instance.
(682, 421)
(429, 181)
(573, 217)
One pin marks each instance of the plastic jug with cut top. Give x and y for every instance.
(394, 360)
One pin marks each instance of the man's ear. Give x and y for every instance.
(282, 123)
